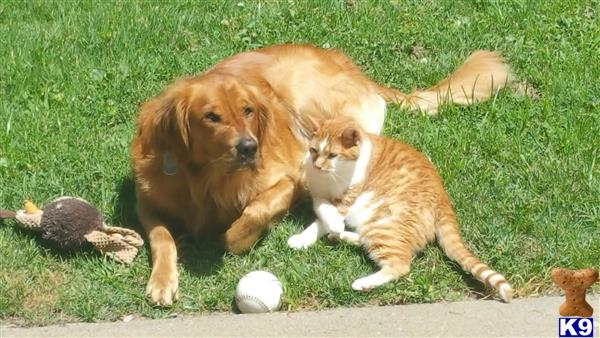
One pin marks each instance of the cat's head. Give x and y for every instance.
(334, 142)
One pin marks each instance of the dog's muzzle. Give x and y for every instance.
(246, 149)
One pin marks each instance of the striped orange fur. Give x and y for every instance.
(396, 207)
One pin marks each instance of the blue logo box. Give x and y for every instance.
(575, 326)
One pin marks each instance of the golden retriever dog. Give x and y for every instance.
(221, 153)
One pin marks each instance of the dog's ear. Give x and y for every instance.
(313, 123)
(269, 106)
(163, 124)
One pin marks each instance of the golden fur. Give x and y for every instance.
(195, 128)
(407, 206)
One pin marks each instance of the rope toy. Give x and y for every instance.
(69, 223)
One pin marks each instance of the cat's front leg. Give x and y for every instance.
(329, 215)
(347, 236)
(350, 237)
(308, 237)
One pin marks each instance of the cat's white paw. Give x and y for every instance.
(372, 281)
(347, 236)
(299, 242)
(350, 237)
(336, 226)
(363, 284)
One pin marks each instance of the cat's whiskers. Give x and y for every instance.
(334, 176)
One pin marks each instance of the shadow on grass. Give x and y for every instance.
(478, 289)
(124, 208)
(201, 257)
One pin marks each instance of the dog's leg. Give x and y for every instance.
(163, 284)
(258, 215)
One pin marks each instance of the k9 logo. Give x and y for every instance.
(575, 327)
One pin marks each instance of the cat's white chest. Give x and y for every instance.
(326, 184)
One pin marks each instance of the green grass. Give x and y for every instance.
(524, 174)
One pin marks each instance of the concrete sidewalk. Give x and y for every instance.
(527, 317)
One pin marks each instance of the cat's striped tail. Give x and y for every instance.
(449, 238)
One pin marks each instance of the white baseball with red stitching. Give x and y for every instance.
(258, 292)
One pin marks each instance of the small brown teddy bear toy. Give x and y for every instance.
(575, 283)
(69, 223)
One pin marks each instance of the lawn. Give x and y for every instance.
(523, 171)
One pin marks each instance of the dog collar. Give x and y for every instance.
(169, 165)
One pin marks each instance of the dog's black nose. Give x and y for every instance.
(246, 147)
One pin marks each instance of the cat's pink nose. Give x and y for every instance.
(318, 164)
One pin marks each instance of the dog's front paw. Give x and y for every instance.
(238, 239)
(235, 243)
(299, 242)
(162, 289)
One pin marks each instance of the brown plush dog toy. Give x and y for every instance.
(575, 283)
(70, 223)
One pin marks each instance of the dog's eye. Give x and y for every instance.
(332, 155)
(248, 111)
(212, 117)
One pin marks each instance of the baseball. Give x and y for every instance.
(258, 292)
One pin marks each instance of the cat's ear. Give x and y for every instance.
(350, 137)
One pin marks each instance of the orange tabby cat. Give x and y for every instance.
(390, 195)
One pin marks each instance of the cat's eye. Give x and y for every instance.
(313, 151)
(332, 155)
(248, 111)
(212, 117)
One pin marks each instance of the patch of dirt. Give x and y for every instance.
(535, 287)
(33, 297)
(44, 297)
(524, 88)
(417, 51)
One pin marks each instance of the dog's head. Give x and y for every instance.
(217, 120)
